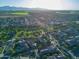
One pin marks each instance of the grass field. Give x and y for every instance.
(14, 12)
(20, 13)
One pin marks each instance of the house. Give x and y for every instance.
(75, 52)
(71, 42)
(31, 44)
(71, 31)
(5, 57)
(56, 57)
(21, 46)
(60, 57)
(47, 50)
(1, 43)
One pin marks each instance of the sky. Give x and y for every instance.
(47, 4)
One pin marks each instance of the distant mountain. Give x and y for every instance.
(7, 8)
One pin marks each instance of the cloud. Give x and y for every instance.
(55, 4)
(49, 4)
(71, 4)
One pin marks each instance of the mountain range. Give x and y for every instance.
(12, 8)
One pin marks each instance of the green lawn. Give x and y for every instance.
(15, 12)
(19, 13)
